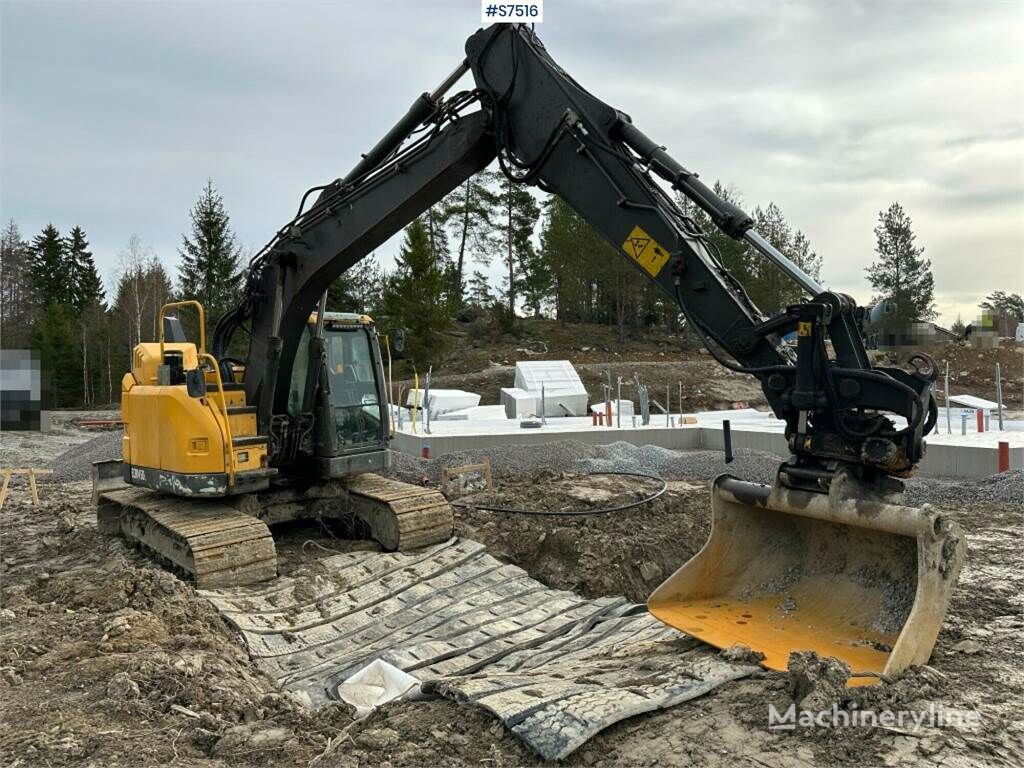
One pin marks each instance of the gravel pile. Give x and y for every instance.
(573, 456)
(680, 465)
(76, 463)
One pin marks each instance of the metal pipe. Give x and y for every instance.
(449, 81)
(999, 396)
(618, 402)
(426, 399)
(668, 408)
(949, 428)
(321, 310)
(543, 405)
(774, 255)
(727, 440)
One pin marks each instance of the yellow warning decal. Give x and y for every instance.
(645, 251)
(803, 329)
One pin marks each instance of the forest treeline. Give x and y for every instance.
(551, 263)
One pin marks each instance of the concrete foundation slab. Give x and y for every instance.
(971, 455)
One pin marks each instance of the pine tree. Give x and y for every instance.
(414, 298)
(470, 212)
(537, 281)
(209, 269)
(733, 254)
(900, 272)
(478, 291)
(1001, 302)
(518, 214)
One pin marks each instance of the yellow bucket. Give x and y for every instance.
(847, 574)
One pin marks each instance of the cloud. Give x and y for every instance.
(113, 115)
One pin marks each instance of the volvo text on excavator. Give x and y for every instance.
(826, 558)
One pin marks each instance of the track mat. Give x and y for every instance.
(557, 668)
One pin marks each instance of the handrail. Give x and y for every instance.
(202, 323)
(390, 383)
(229, 447)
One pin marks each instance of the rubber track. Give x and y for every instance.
(205, 540)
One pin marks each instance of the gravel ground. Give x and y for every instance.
(571, 456)
(1005, 488)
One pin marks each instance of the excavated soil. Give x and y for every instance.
(105, 659)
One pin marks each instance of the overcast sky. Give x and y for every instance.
(114, 114)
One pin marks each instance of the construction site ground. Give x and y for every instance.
(106, 659)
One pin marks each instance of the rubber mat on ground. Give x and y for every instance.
(554, 666)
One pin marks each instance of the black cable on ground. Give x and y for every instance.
(576, 512)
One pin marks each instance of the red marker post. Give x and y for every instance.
(981, 419)
(1004, 456)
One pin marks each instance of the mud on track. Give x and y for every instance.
(108, 660)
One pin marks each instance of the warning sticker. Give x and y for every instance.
(645, 251)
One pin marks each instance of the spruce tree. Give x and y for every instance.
(87, 302)
(900, 272)
(87, 288)
(209, 268)
(414, 298)
(52, 278)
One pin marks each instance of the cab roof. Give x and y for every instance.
(342, 318)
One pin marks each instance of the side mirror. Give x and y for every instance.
(398, 343)
(195, 383)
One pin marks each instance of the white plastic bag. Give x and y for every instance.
(375, 684)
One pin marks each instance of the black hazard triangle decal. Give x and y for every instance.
(645, 251)
(639, 244)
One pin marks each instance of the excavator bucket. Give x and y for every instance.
(846, 574)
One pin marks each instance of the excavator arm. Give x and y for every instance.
(547, 130)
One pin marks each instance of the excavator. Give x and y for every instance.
(826, 558)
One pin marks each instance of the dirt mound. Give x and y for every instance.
(621, 553)
(137, 669)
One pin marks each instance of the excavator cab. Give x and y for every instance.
(343, 387)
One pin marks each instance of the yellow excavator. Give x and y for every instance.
(826, 558)
(190, 433)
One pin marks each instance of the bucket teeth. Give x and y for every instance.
(845, 574)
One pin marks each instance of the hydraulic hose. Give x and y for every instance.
(576, 512)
